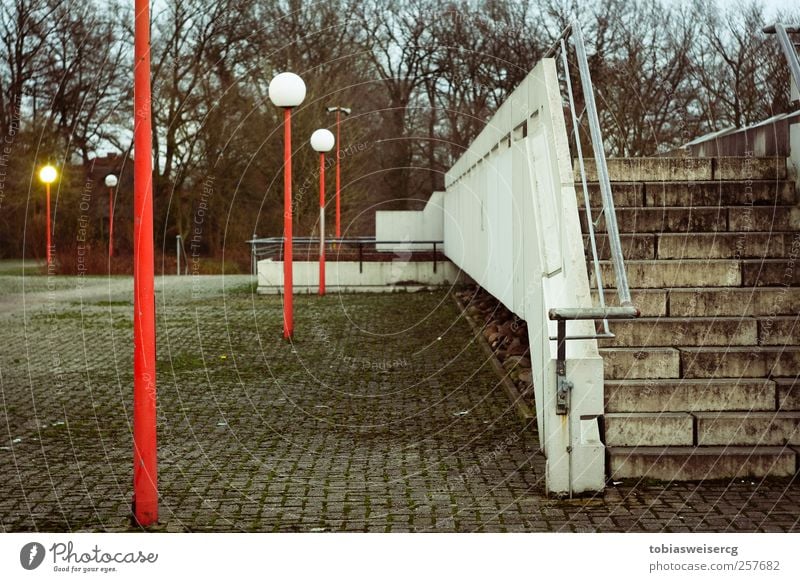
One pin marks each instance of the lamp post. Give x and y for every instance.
(339, 111)
(287, 90)
(322, 141)
(111, 182)
(48, 175)
(145, 458)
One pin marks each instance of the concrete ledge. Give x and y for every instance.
(661, 220)
(748, 428)
(648, 429)
(351, 276)
(723, 245)
(699, 463)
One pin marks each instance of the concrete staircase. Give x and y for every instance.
(703, 385)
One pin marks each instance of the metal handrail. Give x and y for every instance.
(787, 46)
(609, 211)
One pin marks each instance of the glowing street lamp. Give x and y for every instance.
(339, 111)
(111, 182)
(322, 141)
(287, 90)
(48, 175)
(145, 450)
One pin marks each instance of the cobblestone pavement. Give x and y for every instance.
(383, 415)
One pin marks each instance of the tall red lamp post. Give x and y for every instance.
(287, 90)
(111, 183)
(322, 141)
(48, 175)
(145, 459)
(339, 110)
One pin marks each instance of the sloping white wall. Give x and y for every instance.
(511, 223)
(411, 225)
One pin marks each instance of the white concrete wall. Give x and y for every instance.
(511, 223)
(345, 275)
(409, 225)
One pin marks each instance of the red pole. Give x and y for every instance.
(110, 222)
(145, 461)
(49, 244)
(288, 323)
(322, 223)
(338, 178)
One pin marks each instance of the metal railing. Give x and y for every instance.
(626, 309)
(361, 249)
(788, 47)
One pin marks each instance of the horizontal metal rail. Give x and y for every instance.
(361, 249)
(596, 313)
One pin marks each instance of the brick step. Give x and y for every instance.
(739, 362)
(697, 463)
(687, 169)
(759, 195)
(705, 302)
(703, 395)
(716, 245)
(669, 273)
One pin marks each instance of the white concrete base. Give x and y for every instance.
(347, 277)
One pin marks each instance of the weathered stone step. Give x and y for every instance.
(698, 395)
(739, 362)
(665, 274)
(658, 220)
(759, 196)
(634, 246)
(747, 428)
(772, 272)
(682, 331)
(649, 302)
(648, 429)
(700, 194)
(788, 393)
(640, 363)
(697, 463)
(724, 245)
(687, 169)
(763, 218)
(779, 330)
(743, 301)
(749, 168)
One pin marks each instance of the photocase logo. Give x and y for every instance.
(31, 555)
